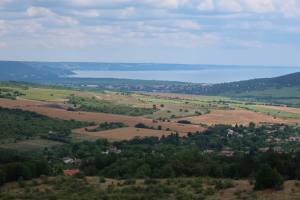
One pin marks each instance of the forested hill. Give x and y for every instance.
(290, 80)
(23, 71)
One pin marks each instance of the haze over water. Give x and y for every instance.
(203, 75)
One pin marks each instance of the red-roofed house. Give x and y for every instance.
(71, 172)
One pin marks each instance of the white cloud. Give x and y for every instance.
(290, 8)
(260, 6)
(38, 11)
(250, 44)
(91, 3)
(229, 5)
(105, 29)
(170, 4)
(206, 5)
(188, 24)
(4, 27)
(3, 2)
(3, 44)
(47, 14)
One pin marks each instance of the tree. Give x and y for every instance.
(268, 178)
(2, 177)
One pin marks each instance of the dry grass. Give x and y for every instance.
(243, 191)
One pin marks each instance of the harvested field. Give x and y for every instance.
(39, 107)
(126, 133)
(236, 117)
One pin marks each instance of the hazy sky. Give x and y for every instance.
(263, 32)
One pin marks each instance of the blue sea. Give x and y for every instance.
(202, 75)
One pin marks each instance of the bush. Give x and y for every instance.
(268, 178)
(184, 122)
(141, 125)
(102, 180)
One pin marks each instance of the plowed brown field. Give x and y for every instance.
(236, 117)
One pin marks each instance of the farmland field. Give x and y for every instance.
(168, 109)
(236, 117)
(122, 133)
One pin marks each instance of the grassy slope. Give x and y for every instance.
(179, 188)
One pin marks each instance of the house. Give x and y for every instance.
(112, 150)
(227, 153)
(264, 149)
(68, 160)
(230, 132)
(293, 139)
(278, 149)
(208, 151)
(71, 172)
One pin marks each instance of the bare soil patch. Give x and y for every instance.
(236, 117)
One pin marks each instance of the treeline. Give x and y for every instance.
(96, 105)
(16, 166)
(172, 156)
(168, 160)
(15, 123)
(9, 93)
(106, 126)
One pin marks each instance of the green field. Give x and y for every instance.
(272, 112)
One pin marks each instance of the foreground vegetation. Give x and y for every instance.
(208, 154)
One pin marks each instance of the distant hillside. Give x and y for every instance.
(290, 80)
(278, 90)
(23, 71)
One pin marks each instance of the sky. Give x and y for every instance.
(239, 32)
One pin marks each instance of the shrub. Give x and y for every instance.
(102, 180)
(268, 178)
(184, 122)
(141, 125)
